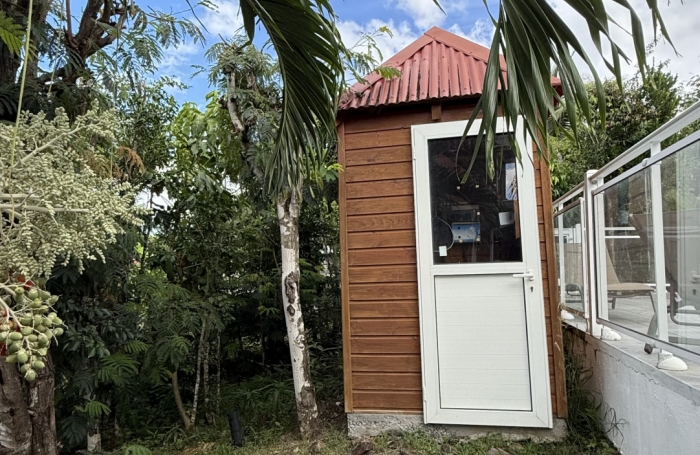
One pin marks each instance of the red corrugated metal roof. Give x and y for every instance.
(437, 65)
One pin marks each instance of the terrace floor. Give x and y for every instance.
(636, 313)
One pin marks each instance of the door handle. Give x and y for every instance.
(530, 275)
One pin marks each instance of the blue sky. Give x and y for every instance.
(408, 19)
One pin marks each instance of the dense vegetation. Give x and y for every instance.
(181, 240)
(634, 109)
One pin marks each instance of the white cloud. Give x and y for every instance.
(225, 21)
(175, 58)
(424, 13)
(481, 32)
(681, 20)
(402, 35)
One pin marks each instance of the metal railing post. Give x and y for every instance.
(583, 234)
(594, 328)
(666, 360)
(562, 271)
(657, 216)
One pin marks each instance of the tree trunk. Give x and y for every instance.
(94, 438)
(288, 210)
(205, 374)
(42, 412)
(15, 426)
(9, 65)
(200, 354)
(27, 415)
(218, 375)
(180, 406)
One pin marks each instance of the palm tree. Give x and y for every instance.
(529, 34)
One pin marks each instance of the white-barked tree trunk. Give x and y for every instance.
(288, 211)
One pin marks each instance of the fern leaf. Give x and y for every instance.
(95, 408)
(11, 33)
(135, 347)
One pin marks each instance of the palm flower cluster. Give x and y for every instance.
(59, 202)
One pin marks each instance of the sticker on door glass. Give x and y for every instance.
(443, 251)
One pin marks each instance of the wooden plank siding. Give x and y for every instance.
(381, 332)
(555, 341)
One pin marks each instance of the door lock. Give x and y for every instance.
(530, 275)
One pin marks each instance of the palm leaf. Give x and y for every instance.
(307, 45)
(531, 36)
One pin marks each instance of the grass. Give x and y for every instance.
(334, 441)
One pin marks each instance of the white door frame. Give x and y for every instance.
(541, 413)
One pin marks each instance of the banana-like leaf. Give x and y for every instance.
(531, 36)
(306, 41)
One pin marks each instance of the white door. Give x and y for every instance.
(483, 336)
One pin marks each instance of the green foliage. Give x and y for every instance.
(11, 33)
(201, 274)
(306, 42)
(333, 441)
(531, 36)
(362, 58)
(633, 112)
(73, 63)
(95, 409)
(589, 419)
(135, 449)
(116, 369)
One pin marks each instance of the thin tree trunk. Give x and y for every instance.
(205, 373)
(15, 426)
(288, 210)
(198, 376)
(94, 438)
(218, 375)
(180, 406)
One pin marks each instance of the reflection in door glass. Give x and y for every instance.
(475, 221)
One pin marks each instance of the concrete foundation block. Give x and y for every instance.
(366, 425)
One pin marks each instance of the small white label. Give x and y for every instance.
(443, 251)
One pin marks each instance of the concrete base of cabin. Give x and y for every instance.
(365, 425)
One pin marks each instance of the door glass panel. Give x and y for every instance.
(478, 220)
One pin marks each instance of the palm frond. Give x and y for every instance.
(531, 35)
(307, 45)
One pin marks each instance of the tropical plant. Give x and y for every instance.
(633, 112)
(531, 37)
(56, 208)
(254, 100)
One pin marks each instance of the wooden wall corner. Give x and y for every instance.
(556, 330)
(344, 281)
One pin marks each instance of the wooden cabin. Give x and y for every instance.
(449, 291)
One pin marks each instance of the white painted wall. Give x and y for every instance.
(658, 412)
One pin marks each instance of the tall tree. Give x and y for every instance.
(254, 103)
(75, 47)
(257, 103)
